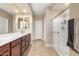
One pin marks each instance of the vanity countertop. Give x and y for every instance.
(6, 38)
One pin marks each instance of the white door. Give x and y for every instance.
(55, 33)
(3, 25)
(38, 30)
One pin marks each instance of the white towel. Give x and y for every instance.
(76, 34)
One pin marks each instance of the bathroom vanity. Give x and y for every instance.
(14, 44)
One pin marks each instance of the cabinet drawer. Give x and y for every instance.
(4, 48)
(29, 34)
(26, 35)
(26, 38)
(23, 38)
(15, 42)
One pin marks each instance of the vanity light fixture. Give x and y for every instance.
(16, 10)
(66, 3)
(24, 11)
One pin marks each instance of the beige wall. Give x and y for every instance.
(74, 13)
(9, 17)
(49, 15)
(38, 18)
(74, 10)
(10, 25)
(48, 28)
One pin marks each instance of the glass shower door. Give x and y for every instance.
(55, 34)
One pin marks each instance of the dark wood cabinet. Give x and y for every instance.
(5, 50)
(29, 39)
(16, 50)
(16, 47)
(6, 53)
(23, 44)
(26, 41)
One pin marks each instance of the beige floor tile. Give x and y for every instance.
(38, 48)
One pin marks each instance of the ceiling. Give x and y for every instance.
(36, 8)
(39, 8)
(59, 6)
(12, 7)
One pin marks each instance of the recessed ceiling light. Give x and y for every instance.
(24, 11)
(16, 10)
(66, 3)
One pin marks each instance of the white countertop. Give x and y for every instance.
(6, 38)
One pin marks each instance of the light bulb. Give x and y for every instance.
(16, 10)
(24, 11)
(66, 3)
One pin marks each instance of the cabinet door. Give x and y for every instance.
(29, 39)
(23, 50)
(16, 50)
(23, 43)
(23, 46)
(5, 50)
(26, 41)
(6, 54)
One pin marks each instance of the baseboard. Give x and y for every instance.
(58, 52)
(50, 45)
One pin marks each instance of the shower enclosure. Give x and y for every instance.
(60, 33)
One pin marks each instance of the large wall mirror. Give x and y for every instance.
(3, 25)
(23, 22)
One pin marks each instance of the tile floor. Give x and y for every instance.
(38, 48)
